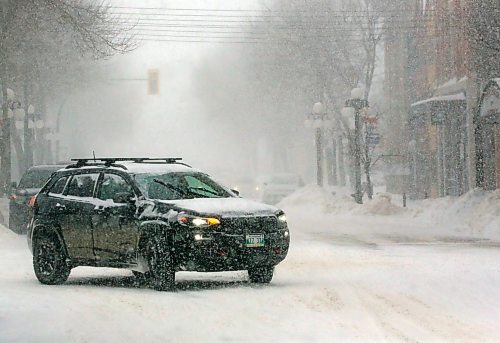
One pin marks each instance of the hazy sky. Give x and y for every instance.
(120, 118)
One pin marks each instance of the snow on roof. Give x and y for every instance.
(141, 168)
(452, 97)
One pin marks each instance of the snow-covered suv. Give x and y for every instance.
(154, 217)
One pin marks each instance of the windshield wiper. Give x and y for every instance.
(205, 190)
(172, 187)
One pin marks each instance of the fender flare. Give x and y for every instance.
(44, 229)
(151, 227)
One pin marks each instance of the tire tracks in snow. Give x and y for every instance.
(410, 319)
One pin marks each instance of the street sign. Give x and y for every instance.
(373, 139)
(371, 120)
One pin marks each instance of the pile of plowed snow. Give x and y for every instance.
(339, 202)
(315, 198)
(475, 214)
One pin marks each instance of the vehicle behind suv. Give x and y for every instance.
(31, 182)
(278, 186)
(154, 217)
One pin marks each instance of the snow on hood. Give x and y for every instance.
(225, 207)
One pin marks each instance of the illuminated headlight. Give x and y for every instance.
(197, 221)
(282, 218)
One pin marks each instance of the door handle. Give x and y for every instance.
(99, 209)
(60, 207)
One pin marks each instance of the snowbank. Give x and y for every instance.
(475, 214)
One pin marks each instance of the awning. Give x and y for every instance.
(442, 98)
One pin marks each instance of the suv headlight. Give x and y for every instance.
(197, 221)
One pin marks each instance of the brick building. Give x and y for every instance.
(445, 70)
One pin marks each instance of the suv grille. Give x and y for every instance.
(241, 225)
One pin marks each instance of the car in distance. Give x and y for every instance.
(278, 186)
(29, 185)
(154, 217)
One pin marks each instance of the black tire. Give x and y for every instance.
(261, 274)
(49, 261)
(142, 278)
(161, 265)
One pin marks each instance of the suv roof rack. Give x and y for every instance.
(111, 161)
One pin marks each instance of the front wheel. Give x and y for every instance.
(49, 261)
(161, 265)
(261, 274)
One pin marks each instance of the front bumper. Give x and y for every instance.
(220, 251)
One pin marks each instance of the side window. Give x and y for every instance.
(82, 185)
(113, 184)
(58, 186)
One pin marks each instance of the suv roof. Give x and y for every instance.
(133, 165)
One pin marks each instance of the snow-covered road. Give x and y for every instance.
(334, 286)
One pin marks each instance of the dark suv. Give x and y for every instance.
(30, 184)
(154, 217)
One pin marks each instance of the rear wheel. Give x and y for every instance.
(142, 278)
(49, 261)
(161, 265)
(261, 274)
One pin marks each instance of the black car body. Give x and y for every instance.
(153, 217)
(31, 182)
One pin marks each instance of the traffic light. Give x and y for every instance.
(153, 82)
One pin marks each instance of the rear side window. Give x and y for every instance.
(113, 184)
(82, 185)
(58, 186)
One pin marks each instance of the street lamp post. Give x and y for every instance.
(319, 120)
(355, 104)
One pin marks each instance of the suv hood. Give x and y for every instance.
(225, 207)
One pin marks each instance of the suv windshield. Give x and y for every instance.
(35, 178)
(175, 186)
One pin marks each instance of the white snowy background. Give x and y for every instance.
(377, 272)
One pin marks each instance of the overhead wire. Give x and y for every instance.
(211, 26)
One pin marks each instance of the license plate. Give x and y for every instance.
(254, 240)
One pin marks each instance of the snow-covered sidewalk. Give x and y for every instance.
(350, 276)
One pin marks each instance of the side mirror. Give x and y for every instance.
(124, 198)
(235, 191)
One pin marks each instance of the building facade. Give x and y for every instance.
(446, 71)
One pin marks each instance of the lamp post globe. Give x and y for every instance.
(357, 93)
(318, 108)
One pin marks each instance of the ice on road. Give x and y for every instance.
(334, 286)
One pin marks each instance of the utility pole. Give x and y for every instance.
(5, 167)
(355, 104)
(5, 177)
(334, 158)
(28, 135)
(319, 156)
(341, 162)
(358, 196)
